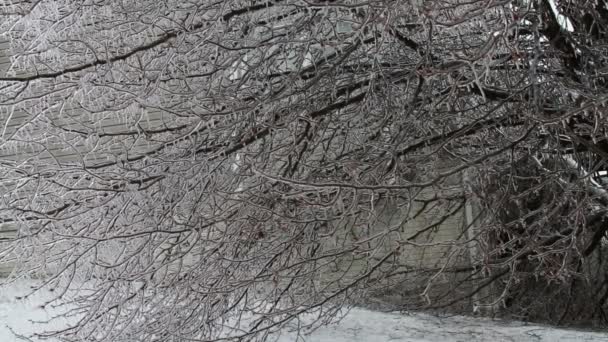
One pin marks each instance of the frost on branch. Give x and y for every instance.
(211, 170)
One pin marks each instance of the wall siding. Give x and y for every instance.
(19, 143)
(6, 230)
(431, 248)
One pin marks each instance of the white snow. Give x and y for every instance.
(563, 21)
(359, 326)
(20, 315)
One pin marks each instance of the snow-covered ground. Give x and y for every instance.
(16, 315)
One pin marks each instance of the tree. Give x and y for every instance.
(215, 168)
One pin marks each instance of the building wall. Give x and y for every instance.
(20, 143)
(426, 235)
(426, 239)
(6, 230)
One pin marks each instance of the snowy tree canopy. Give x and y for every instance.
(228, 163)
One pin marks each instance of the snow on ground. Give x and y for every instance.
(359, 326)
(19, 315)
